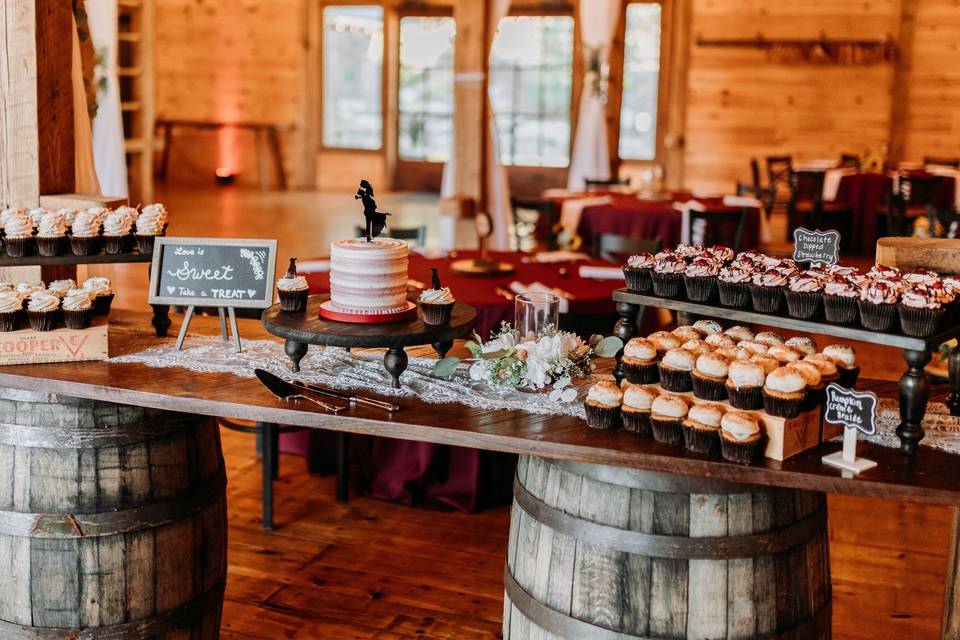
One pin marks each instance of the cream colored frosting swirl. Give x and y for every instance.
(19, 226)
(920, 298)
(295, 283)
(840, 287)
(10, 301)
(702, 269)
(842, 354)
(117, 223)
(679, 359)
(437, 296)
(671, 264)
(24, 289)
(43, 301)
(641, 261)
(52, 225)
(740, 426)
(77, 300)
(6, 214)
(151, 220)
(86, 224)
(770, 278)
(805, 283)
(61, 287)
(99, 285)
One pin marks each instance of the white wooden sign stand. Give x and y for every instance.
(846, 458)
(223, 327)
(856, 411)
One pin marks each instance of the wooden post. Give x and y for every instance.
(900, 82)
(55, 96)
(471, 104)
(675, 127)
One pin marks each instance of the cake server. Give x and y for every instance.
(345, 395)
(286, 391)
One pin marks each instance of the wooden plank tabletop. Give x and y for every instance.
(929, 476)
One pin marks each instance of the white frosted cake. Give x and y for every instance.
(368, 277)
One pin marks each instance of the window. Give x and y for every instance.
(641, 76)
(426, 88)
(352, 77)
(530, 86)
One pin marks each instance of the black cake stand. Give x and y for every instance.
(299, 330)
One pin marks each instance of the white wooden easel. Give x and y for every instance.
(230, 311)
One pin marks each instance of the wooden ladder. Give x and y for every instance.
(135, 71)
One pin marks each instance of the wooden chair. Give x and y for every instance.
(417, 236)
(850, 161)
(591, 184)
(917, 196)
(752, 188)
(807, 207)
(713, 218)
(534, 219)
(931, 161)
(614, 247)
(778, 180)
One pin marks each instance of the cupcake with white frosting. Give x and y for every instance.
(676, 367)
(707, 327)
(640, 361)
(42, 309)
(637, 272)
(840, 300)
(667, 414)
(744, 384)
(436, 303)
(636, 407)
(733, 286)
(602, 405)
(803, 344)
(878, 305)
(686, 332)
(18, 235)
(77, 308)
(668, 269)
(700, 279)
(51, 234)
(845, 357)
(767, 289)
(117, 230)
(923, 309)
(10, 309)
(293, 289)
(60, 288)
(664, 341)
(740, 437)
(101, 291)
(85, 237)
(815, 385)
(701, 428)
(709, 376)
(804, 294)
(784, 392)
(151, 222)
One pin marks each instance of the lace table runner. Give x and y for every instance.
(342, 369)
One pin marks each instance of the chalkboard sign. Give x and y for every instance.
(851, 409)
(816, 246)
(213, 272)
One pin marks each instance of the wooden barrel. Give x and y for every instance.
(609, 553)
(112, 521)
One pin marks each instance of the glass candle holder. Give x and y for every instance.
(536, 313)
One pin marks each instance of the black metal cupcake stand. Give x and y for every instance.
(914, 388)
(301, 329)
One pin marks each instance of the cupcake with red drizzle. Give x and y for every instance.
(840, 297)
(922, 309)
(667, 274)
(878, 305)
(766, 290)
(700, 278)
(804, 295)
(637, 272)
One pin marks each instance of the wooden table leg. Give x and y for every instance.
(161, 319)
(442, 348)
(914, 393)
(625, 329)
(951, 605)
(343, 467)
(295, 351)
(395, 360)
(953, 369)
(267, 462)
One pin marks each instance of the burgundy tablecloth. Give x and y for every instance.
(637, 218)
(457, 477)
(866, 194)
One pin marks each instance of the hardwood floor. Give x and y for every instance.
(376, 570)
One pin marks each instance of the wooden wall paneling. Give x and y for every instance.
(19, 171)
(309, 114)
(900, 81)
(55, 95)
(615, 90)
(391, 88)
(672, 102)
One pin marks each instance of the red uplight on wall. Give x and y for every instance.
(225, 176)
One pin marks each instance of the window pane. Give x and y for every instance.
(352, 76)
(530, 86)
(426, 88)
(641, 73)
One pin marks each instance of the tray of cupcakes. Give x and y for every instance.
(56, 322)
(909, 309)
(124, 231)
(681, 385)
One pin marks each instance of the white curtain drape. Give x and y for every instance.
(85, 175)
(108, 149)
(497, 187)
(591, 154)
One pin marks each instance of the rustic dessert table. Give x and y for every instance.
(609, 499)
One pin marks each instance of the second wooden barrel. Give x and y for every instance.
(112, 521)
(608, 553)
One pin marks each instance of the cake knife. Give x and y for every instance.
(286, 391)
(344, 395)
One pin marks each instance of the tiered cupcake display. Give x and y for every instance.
(917, 303)
(43, 307)
(83, 233)
(681, 385)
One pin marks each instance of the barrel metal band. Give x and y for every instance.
(655, 481)
(77, 437)
(679, 547)
(108, 523)
(182, 617)
(562, 625)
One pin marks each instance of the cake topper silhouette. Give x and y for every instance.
(435, 278)
(292, 269)
(375, 220)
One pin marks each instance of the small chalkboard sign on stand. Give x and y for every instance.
(816, 247)
(855, 411)
(225, 274)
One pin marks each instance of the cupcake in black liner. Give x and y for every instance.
(733, 287)
(744, 384)
(700, 279)
(77, 309)
(804, 295)
(635, 411)
(637, 272)
(701, 429)
(602, 405)
(10, 309)
(689, 251)
(784, 393)
(667, 414)
(766, 290)
(18, 240)
(675, 369)
(828, 369)
(723, 255)
(85, 237)
(709, 377)
(668, 274)
(663, 341)
(816, 388)
(803, 344)
(922, 310)
(740, 437)
(436, 303)
(101, 291)
(845, 358)
(840, 300)
(293, 290)
(640, 361)
(878, 306)
(42, 308)
(117, 230)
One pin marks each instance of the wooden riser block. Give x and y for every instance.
(26, 346)
(936, 254)
(80, 201)
(786, 437)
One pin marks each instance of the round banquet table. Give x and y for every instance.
(458, 477)
(631, 216)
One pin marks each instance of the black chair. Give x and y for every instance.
(807, 207)
(778, 181)
(536, 219)
(712, 220)
(920, 195)
(931, 161)
(850, 161)
(592, 184)
(417, 236)
(614, 247)
(752, 188)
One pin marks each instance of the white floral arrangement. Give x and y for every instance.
(553, 359)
